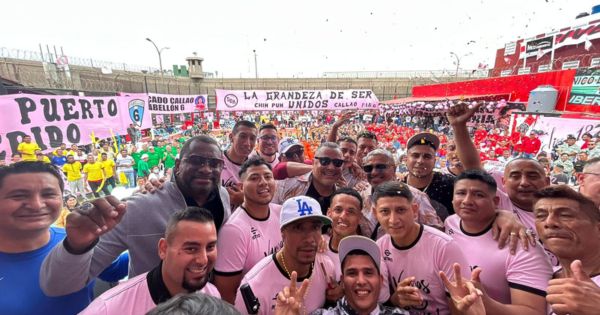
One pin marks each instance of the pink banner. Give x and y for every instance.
(55, 119)
(170, 104)
(276, 100)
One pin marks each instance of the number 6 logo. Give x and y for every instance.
(136, 111)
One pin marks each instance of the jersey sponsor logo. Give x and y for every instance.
(304, 208)
(255, 233)
(387, 255)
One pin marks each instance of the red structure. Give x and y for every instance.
(517, 87)
(572, 47)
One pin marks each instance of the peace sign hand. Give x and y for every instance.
(290, 299)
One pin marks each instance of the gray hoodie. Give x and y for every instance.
(139, 231)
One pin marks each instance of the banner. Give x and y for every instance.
(538, 47)
(276, 100)
(54, 119)
(552, 130)
(586, 88)
(170, 104)
(488, 115)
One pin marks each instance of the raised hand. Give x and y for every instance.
(463, 293)
(461, 113)
(290, 299)
(90, 220)
(344, 118)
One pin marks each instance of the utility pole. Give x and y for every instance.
(159, 51)
(255, 65)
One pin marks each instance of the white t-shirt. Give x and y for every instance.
(525, 270)
(268, 278)
(433, 251)
(243, 241)
(122, 163)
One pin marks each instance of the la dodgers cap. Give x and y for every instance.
(357, 242)
(301, 207)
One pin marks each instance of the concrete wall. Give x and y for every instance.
(93, 81)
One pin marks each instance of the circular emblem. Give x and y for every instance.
(230, 100)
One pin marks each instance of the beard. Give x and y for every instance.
(193, 287)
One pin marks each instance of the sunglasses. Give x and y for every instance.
(200, 161)
(325, 161)
(291, 154)
(370, 168)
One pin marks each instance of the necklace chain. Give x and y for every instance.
(290, 276)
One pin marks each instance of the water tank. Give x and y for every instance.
(596, 9)
(542, 99)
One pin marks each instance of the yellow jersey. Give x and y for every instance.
(94, 171)
(27, 150)
(108, 166)
(73, 171)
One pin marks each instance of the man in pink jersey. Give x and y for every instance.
(414, 253)
(188, 252)
(242, 139)
(248, 236)
(569, 225)
(512, 284)
(362, 282)
(268, 140)
(301, 221)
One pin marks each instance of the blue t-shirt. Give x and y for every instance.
(58, 160)
(20, 291)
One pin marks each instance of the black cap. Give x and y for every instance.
(424, 138)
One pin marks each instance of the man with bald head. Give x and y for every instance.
(589, 180)
(320, 183)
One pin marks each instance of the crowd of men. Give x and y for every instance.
(264, 228)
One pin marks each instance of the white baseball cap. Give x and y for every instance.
(301, 207)
(357, 242)
(287, 143)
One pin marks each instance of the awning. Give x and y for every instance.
(432, 99)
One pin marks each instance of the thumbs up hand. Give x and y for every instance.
(577, 294)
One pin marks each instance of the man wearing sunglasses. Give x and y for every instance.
(292, 159)
(380, 168)
(95, 237)
(320, 183)
(267, 144)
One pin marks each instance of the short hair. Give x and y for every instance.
(253, 161)
(479, 175)
(358, 252)
(25, 167)
(367, 135)
(267, 126)
(348, 191)
(327, 145)
(522, 158)
(185, 149)
(392, 189)
(242, 123)
(586, 205)
(381, 152)
(194, 214)
(347, 139)
(104, 154)
(16, 153)
(192, 304)
(591, 162)
(565, 153)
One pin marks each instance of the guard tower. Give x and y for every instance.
(195, 66)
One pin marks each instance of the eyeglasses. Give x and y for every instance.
(589, 173)
(267, 138)
(200, 161)
(291, 154)
(325, 161)
(370, 168)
